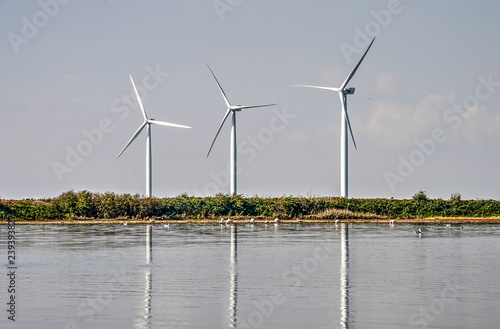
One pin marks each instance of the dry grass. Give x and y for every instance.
(334, 213)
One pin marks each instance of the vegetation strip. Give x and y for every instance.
(110, 207)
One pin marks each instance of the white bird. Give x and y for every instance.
(298, 220)
(221, 220)
(151, 220)
(337, 222)
(167, 225)
(252, 220)
(276, 220)
(266, 221)
(229, 221)
(419, 232)
(125, 223)
(448, 225)
(392, 221)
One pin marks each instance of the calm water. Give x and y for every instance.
(258, 276)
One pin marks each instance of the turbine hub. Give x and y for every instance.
(350, 91)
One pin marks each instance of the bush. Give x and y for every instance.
(455, 197)
(420, 196)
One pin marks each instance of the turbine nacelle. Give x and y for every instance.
(349, 91)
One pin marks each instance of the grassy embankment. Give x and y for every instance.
(84, 205)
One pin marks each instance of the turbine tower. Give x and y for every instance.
(344, 123)
(147, 123)
(231, 109)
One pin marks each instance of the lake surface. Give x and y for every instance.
(254, 276)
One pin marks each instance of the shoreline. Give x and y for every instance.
(259, 221)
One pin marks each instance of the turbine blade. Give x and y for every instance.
(349, 77)
(218, 131)
(133, 137)
(220, 88)
(342, 102)
(350, 130)
(139, 99)
(251, 106)
(318, 87)
(162, 123)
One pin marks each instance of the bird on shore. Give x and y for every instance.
(448, 225)
(337, 222)
(125, 223)
(266, 221)
(167, 225)
(252, 220)
(298, 220)
(221, 220)
(229, 221)
(392, 221)
(151, 220)
(276, 220)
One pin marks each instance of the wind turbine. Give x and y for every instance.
(344, 123)
(147, 123)
(231, 109)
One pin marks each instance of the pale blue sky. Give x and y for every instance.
(429, 59)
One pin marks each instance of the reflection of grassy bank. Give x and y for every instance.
(86, 205)
(431, 221)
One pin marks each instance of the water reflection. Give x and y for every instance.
(148, 281)
(67, 281)
(233, 299)
(144, 317)
(149, 244)
(344, 276)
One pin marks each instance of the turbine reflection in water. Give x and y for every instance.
(148, 281)
(344, 276)
(233, 300)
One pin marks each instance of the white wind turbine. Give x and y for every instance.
(231, 109)
(344, 123)
(147, 123)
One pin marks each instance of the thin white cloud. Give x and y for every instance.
(401, 123)
(387, 83)
(483, 126)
